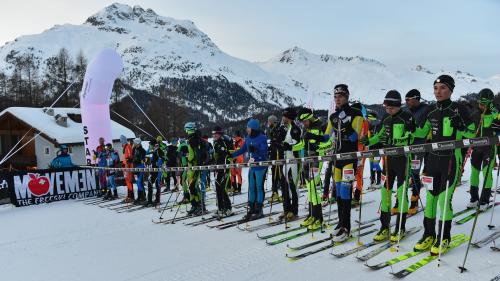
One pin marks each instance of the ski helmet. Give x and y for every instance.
(63, 147)
(190, 128)
(486, 96)
(253, 124)
(392, 98)
(217, 130)
(306, 114)
(137, 141)
(341, 89)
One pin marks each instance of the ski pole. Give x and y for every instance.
(491, 226)
(445, 208)
(164, 208)
(388, 191)
(462, 268)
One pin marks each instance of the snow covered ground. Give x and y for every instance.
(74, 241)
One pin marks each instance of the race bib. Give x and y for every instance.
(348, 175)
(428, 182)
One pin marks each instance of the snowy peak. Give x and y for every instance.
(297, 55)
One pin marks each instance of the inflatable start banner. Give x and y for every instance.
(100, 76)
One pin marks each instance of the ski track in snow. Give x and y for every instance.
(73, 241)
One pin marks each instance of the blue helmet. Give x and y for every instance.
(63, 147)
(190, 128)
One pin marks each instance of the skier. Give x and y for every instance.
(100, 156)
(63, 159)
(236, 179)
(157, 157)
(361, 161)
(112, 160)
(483, 157)
(446, 120)
(418, 109)
(138, 158)
(344, 125)
(194, 159)
(312, 137)
(256, 145)
(223, 144)
(395, 131)
(375, 169)
(183, 152)
(171, 162)
(290, 144)
(127, 163)
(275, 133)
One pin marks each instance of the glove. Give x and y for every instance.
(364, 141)
(286, 146)
(252, 149)
(353, 137)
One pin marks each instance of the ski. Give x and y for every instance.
(207, 220)
(307, 245)
(404, 257)
(472, 215)
(326, 247)
(173, 221)
(362, 247)
(375, 252)
(455, 242)
(486, 240)
(495, 248)
(237, 222)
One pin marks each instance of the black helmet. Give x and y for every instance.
(486, 96)
(306, 114)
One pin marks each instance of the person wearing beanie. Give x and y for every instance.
(275, 133)
(112, 160)
(290, 145)
(445, 120)
(418, 109)
(223, 144)
(236, 178)
(395, 131)
(483, 157)
(313, 139)
(157, 157)
(344, 127)
(127, 162)
(256, 146)
(138, 159)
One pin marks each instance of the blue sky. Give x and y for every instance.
(459, 34)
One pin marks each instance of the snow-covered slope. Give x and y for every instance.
(368, 79)
(92, 243)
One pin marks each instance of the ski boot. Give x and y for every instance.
(474, 197)
(341, 236)
(382, 235)
(445, 244)
(317, 223)
(130, 197)
(108, 195)
(275, 198)
(425, 243)
(115, 193)
(397, 236)
(290, 216)
(308, 221)
(250, 211)
(258, 212)
(141, 198)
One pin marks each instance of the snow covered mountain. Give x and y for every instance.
(164, 56)
(368, 79)
(161, 51)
